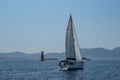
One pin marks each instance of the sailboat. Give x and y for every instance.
(73, 59)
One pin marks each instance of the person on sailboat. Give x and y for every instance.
(66, 62)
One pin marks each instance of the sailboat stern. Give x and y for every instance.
(76, 66)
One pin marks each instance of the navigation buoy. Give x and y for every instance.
(42, 56)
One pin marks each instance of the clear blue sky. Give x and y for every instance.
(34, 25)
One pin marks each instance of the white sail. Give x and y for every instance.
(72, 46)
(73, 59)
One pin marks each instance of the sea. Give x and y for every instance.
(15, 69)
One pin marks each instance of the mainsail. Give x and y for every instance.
(72, 46)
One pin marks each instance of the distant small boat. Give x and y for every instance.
(74, 59)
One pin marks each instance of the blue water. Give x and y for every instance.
(48, 70)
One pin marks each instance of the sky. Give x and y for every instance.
(34, 25)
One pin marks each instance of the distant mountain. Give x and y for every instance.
(18, 55)
(94, 54)
(101, 53)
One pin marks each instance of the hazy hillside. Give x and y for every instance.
(94, 54)
(101, 53)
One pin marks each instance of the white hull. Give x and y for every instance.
(76, 66)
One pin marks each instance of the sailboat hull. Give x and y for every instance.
(76, 66)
